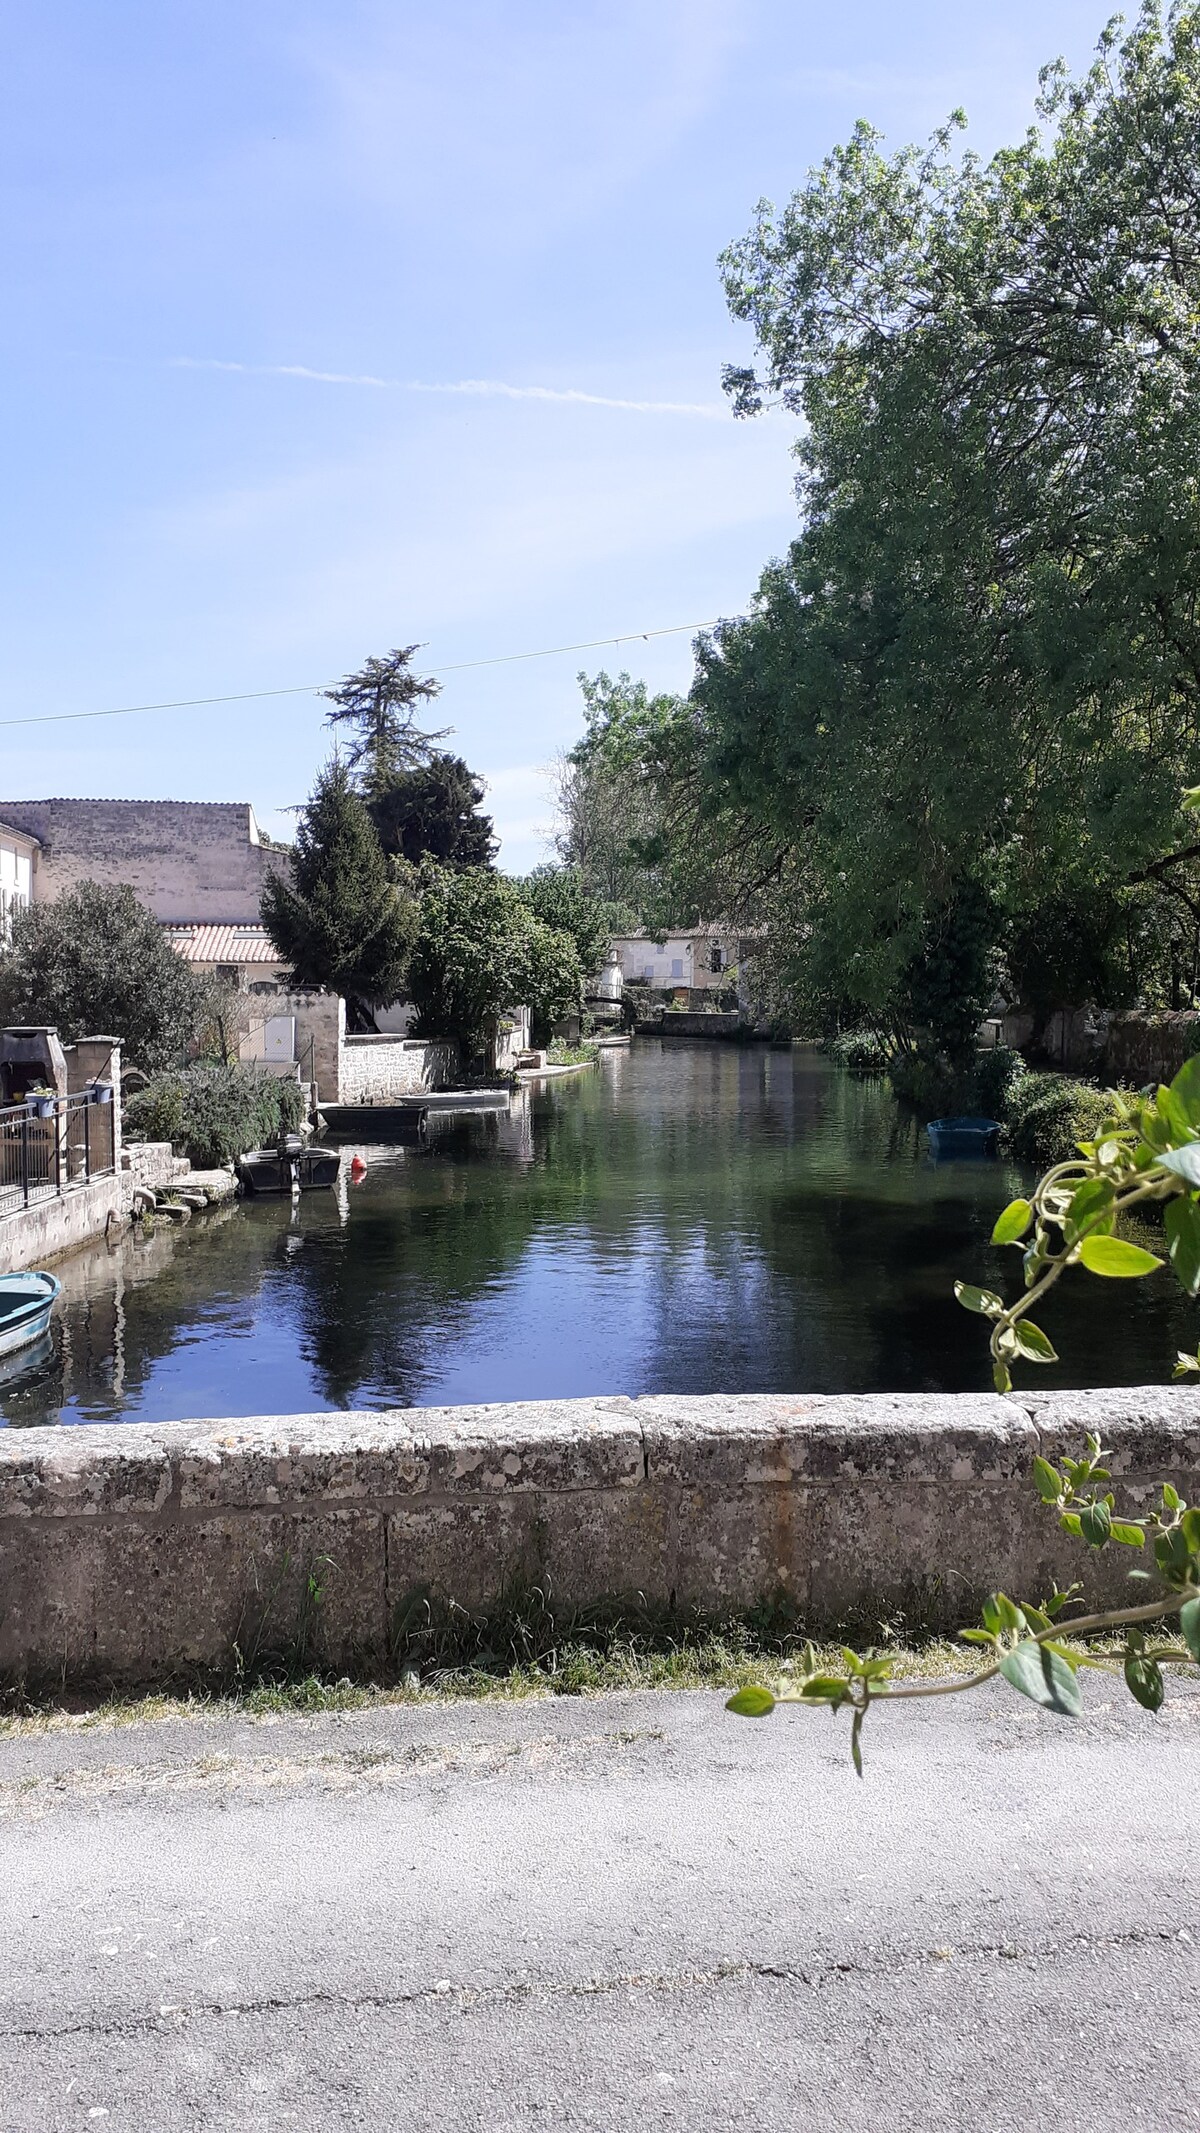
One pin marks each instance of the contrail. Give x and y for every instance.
(478, 388)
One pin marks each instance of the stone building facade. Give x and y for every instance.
(188, 861)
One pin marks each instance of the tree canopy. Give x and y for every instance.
(479, 953)
(379, 705)
(96, 962)
(557, 896)
(432, 811)
(338, 918)
(971, 691)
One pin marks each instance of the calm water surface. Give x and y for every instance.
(699, 1218)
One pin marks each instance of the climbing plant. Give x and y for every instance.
(1144, 1160)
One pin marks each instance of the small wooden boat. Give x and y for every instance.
(291, 1167)
(26, 1301)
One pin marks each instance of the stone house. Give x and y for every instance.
(201, 866)
(698, 957)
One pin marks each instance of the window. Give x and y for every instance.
(676, 966)
(716, 957)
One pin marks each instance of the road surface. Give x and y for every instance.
(622, 1913)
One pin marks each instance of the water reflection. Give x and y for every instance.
(703, 1218)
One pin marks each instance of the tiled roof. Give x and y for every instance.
(222, 944)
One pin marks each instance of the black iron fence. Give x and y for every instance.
(50, 1143)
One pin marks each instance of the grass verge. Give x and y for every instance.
(720, 1659)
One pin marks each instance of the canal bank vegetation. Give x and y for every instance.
(214, 1112)
(943, 752)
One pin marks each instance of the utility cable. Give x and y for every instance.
(315, 688)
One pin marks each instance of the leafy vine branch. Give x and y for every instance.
(1146, 1155)
(1029, 1643)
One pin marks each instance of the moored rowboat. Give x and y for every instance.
(26, 1301)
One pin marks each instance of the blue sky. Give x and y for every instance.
(206, 201)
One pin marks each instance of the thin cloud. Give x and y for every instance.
(477, 388)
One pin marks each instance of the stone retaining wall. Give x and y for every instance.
(134, 1553)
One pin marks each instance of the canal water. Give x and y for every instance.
(682, 1218)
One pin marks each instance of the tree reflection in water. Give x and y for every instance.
(699, 1217)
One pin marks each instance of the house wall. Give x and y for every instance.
(16, 875)
(683, 958)
(184, 859)
(320, 1017)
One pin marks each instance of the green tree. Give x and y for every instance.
(558, 897)
(96, 962)
(337, 918)
(432, 811)
(975, 679)
(479, 953)
(379, 706)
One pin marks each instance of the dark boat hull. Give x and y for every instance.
(265, 1171)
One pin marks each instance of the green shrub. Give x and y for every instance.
(1001, 1076)
(859, 1051)
(213, 1114)
(929, 1085)
(1049, 1121)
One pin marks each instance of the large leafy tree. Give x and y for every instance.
(432, 811)
(972, 688)
(96, 962)
(557, 896)
(481, 952)
(338, 918)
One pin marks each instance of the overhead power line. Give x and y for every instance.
(314, 688)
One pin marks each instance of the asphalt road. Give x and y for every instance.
(625, 1913)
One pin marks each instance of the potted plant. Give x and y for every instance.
(100, 1092)
(42, 1101)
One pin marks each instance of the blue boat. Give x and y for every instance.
(963, 1136)
(26, 1301)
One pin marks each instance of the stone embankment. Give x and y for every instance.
(131, 1554)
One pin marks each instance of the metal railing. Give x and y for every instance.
(50, 1144)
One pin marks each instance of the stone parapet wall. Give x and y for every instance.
(376, 1070)
(137, 1553)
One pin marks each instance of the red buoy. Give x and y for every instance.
(358, 1168)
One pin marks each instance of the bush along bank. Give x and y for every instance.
(1044, 1115)
(214, 1114)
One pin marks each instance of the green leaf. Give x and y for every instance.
(824, 1688)
(1189, 1526)
(1189, 1624)
(1033, 1343)
(1044, 1677)
(1183, 1163)
(1047, 1481)
(976, 1636)
(1182, 1222)
(1115, 1258)
(1186, 1087)
(1090, 1208)
(985, 1301)
(1129, 1536)
(1095, 1523)
(1170, 1496)
(1143, 1679)
(1001, 1377)
(1191, 797)
(751, 1703)
(1010, 1615)
(1013, 1223)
